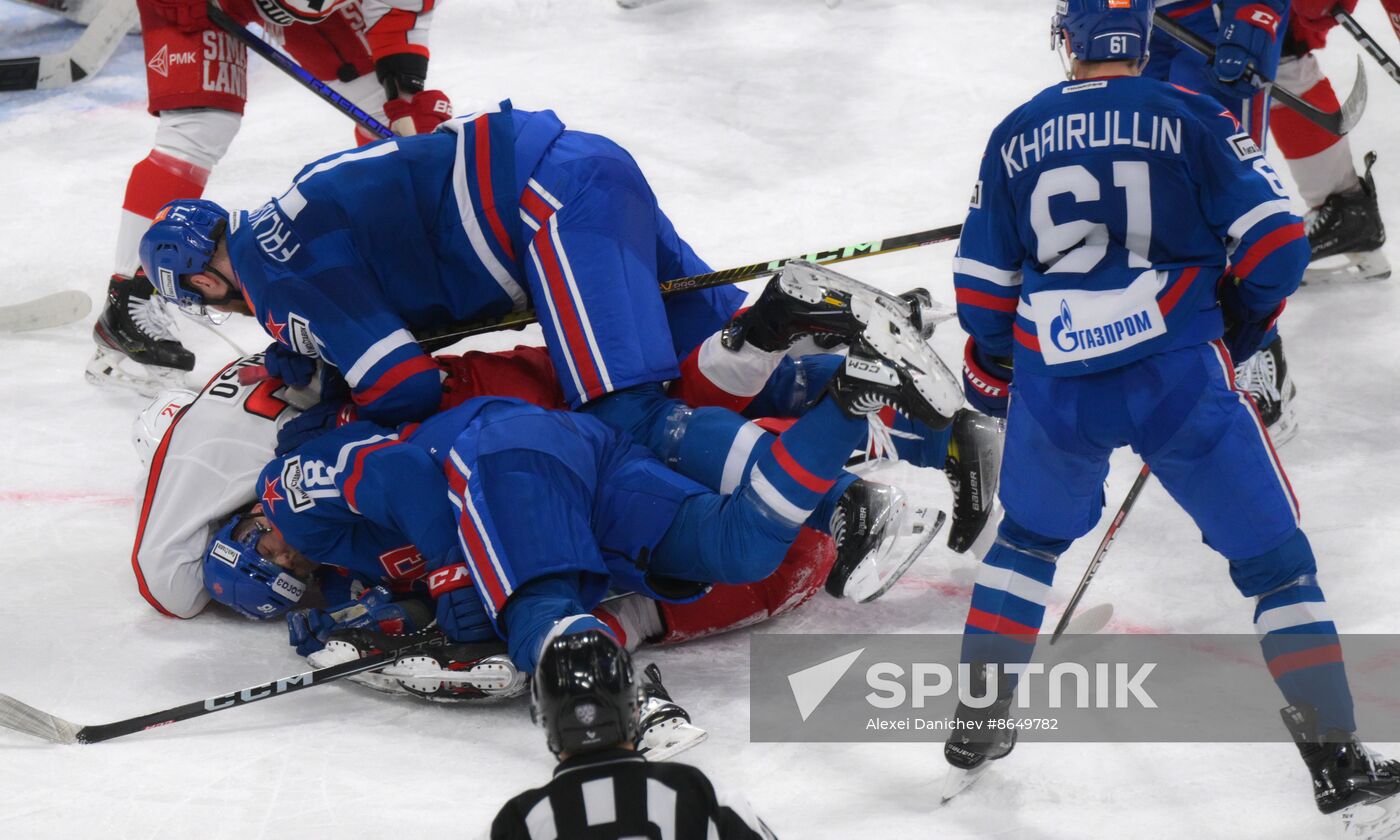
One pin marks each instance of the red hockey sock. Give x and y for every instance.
(161, 178)
(1298, 138)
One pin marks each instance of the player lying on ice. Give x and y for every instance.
(1097, 267)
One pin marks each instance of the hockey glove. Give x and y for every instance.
(460, 613)
(1246, 46)
(187, 15)
(986, 380)
(1245, 330)
(420, 115)
(375, 609)
(292, 368)
(312, 423)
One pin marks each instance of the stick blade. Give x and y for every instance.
(22, 717)
(1355, 105)
(53, 310)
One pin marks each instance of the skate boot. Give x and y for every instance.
(1347, 778)
(136, 345)
(805, 299)
(878, 536)
(977, 740)
(440, 670)
(1265, 376)
(665, 728)
(973, 468)
(890, 364)
(1348, 225)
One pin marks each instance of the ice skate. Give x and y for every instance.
(1349, 781)
(805, 299)
(1346, 235)
(665, 727)
(878, 536)
(973, 746)
(136, 345)
(445, 672)
(1265, 377)
(972, 468)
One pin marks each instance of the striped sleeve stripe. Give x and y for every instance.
(375, 354)
(986, 301)
(1167, 302)
(466, 210)
(982, 271)
(395, 376)
(1026, 339)
(1266, 246)
(775, 500)
(1243, 224)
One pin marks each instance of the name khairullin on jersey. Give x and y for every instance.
(1092, 130)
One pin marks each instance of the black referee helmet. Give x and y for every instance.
(585, 693)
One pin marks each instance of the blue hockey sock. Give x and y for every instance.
(539, 608)
(803, 464)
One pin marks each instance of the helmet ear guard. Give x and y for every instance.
(240, 578)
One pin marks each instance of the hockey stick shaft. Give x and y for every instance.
(1099, 554)
(1368, 43)
(1338, 123)
(303, 77)
(23, 718)
(728, 276)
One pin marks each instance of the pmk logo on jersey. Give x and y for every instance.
(1085, 325)
(163, 60)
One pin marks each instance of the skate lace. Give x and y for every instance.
(881, 444)
(1315, 220)
(150, 316)
(1257, 376)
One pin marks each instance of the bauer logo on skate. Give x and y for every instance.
(1084, 325)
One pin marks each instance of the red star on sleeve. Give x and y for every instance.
(275, 329)
(1231, 117)
(270, 496)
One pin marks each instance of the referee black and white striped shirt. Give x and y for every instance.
(617, 794)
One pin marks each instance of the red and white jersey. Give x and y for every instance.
(210, 450)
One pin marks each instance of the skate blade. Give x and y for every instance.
(1374, 821)
(877, 575)
(112, 368)
(959, 780)
(895, 341)
(670, 738)
(1365, 267)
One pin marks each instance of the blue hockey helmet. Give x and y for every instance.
(180, 242)
(1104, 30)
(237, 576)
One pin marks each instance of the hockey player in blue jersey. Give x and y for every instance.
(1248, 36)
(526, 517)
(1111, 213)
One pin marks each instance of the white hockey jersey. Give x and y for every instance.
(208, 451)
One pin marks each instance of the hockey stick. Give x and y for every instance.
(1368, 43)
(303, 77)
(22, 717)
(1099, 554)
(53, 310)
(84, 58)
(437, 339)
(1339, 123)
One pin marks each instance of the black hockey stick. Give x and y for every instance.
(22, 717)
(1339, 123)
(1099, 554)
(1368, 43)
(93, 48)
(437, 339)
(303, 77)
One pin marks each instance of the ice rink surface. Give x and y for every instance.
(767, 127)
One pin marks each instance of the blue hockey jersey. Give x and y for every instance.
(1105, 213)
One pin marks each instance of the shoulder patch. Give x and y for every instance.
(297, 496)
(303, 341)
(977, 196)
(1085, 86)
(1245, 147)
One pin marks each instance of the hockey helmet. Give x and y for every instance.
(585, 693)
(239, 577)
(288, 12)
(1104, 30)
(180, 242)
(152, 424)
